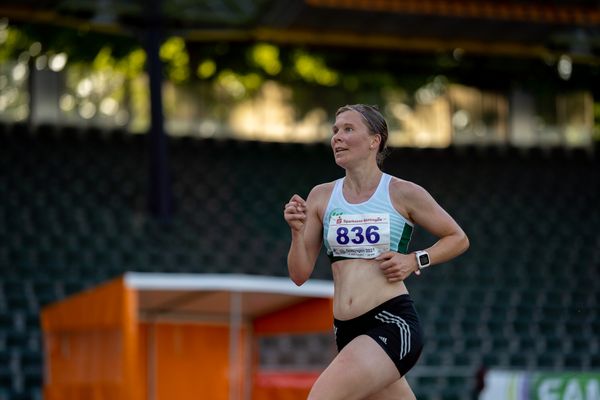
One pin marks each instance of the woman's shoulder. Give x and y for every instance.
(402, 185)
(322, 189)
(319, 197)
(403, 189)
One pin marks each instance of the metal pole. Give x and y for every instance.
(160, 198)
(151, 366)
(235, 325)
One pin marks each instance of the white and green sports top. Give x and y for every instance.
(364, 230)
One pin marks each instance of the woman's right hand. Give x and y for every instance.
(295, 213)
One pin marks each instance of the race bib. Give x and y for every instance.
(359, 236)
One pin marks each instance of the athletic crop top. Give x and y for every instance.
(366, 229)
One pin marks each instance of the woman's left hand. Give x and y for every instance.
(397, 267)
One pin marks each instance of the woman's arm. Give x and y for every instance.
(303, 217)
(424, 211)
(420, 207)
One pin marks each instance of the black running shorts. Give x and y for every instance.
(394, 325)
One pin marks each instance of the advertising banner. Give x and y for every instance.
(520, 385)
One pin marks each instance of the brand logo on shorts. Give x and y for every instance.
(383, 339)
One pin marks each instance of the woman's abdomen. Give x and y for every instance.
(360, 286)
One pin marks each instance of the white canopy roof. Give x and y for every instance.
(215, 297)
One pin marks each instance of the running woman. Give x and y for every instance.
(365, 220)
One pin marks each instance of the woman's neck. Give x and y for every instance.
(362, 180)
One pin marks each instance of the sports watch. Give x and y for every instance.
(423, 259)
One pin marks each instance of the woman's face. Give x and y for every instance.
(351, 140)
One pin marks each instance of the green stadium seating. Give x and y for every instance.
(74, 213)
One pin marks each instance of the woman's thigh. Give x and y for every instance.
(361, 369)
(399, 390)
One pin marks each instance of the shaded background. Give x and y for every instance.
(165, 136)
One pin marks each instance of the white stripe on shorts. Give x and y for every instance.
(390, 318)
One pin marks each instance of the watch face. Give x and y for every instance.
(424, 259)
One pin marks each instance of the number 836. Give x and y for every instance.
(358, 235)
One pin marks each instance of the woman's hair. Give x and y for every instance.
(375, 123)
